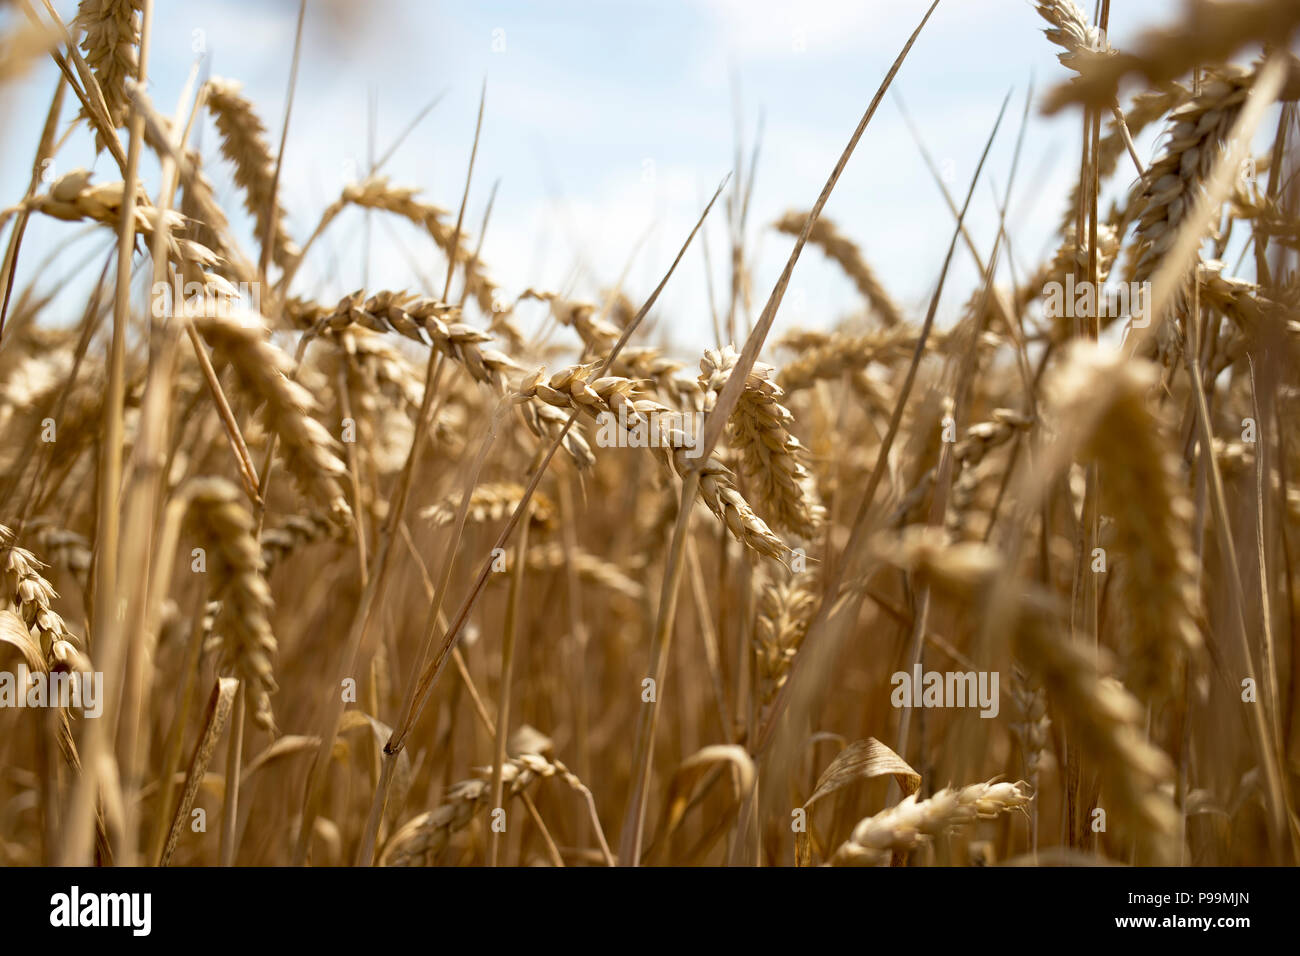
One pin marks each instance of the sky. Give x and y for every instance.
(606, 128)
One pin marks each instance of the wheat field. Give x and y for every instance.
(484, 578)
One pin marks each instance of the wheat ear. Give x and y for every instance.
(842, 250)
(1102, 398)
(244, 144)
(613, 398)
(376, 192)
(785, 611)
(262, 371)
(31, 594)
(420, 840)
(913, 822)
(215, 515)
(771, 457)
(110, 41)
(492, 501)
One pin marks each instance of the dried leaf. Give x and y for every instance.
(862, 760)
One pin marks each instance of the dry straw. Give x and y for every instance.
(696, 673)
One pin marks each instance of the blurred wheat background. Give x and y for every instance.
(329, 346)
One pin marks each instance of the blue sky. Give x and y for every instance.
(609, 123)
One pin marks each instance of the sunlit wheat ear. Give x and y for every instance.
(1068, 28)
(849, 257)
(772, 459)
(244, 144)
(30, 594)
(417, 318)
(493, 501)
(217, 516)
(1206, 32)
(376, 192)
(262, 373)
(1166, 195)
(1100, 399)
(73, 197)
(913, 822)
(110, 41)
(614, 398)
